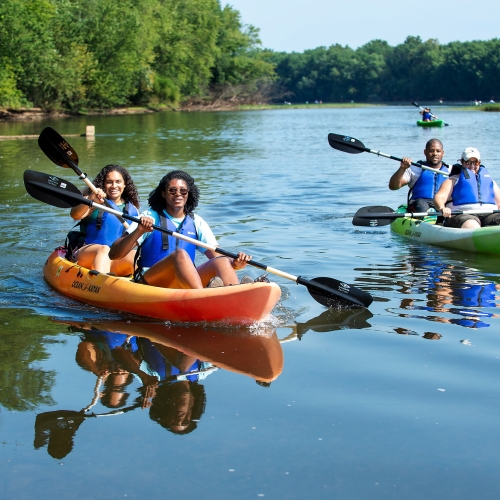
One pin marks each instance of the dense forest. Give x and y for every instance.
(458, 71)
(81, 54)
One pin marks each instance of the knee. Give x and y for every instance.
(103, 250)
(180, 256)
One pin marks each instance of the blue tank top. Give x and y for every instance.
(158, 245)
(105, 229)
(478, 188)
(428, 183)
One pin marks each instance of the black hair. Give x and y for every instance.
(429, 143)
(157, 201)
(130, 193)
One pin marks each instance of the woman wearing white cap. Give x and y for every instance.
(469, 187)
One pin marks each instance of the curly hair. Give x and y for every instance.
(157, 201)
(130, 193)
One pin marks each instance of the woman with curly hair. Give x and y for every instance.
(101, 229)
(166, 261)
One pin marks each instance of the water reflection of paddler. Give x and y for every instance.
(114, 358)
(447, 287)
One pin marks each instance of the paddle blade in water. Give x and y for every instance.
(57, 149)
(373, 216)
(346, 144)
(52, 190)
(333, 293)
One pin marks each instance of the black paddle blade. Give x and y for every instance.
(374, 216)
(346, 144)
(58, 150)
(53, 190)
(333, 293)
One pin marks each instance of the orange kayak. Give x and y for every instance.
(257, 354)
(231, 305)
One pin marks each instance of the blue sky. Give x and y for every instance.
(297, 25)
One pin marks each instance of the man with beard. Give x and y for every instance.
(423, 183)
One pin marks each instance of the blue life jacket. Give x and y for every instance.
(428, 183)
(475, 295)
(158, 245)
(426, 116)
(470, 188)
(158, 364)
(105, 229)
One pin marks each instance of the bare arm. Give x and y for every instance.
(442, 196)
(496, 190)
(238, 263)
(81, 211)
(397, 181)
(123, 245)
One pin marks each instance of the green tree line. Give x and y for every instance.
(71, 54)
(74, 54)
(413, 70)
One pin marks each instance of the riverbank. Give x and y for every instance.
(39, 114)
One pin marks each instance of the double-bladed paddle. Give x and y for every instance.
(351, 145)
(433, 116)
(59, 151)
(61, 193)
(376, 216)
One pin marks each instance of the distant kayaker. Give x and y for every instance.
(423, 184)
(426, 115)
(470, 187)
(98, 230)
(166, 261)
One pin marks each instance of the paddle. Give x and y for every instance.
(433, 116)
(57, 149)
(353, 146)
(375, 216)
(61, 193)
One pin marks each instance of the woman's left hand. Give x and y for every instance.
(241, 261)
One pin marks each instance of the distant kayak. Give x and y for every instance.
(433, 123)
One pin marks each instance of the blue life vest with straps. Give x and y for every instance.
(158, 244)
(428, 183)
(475, 295)
(473, 188)
(159, 365)
(105, 229)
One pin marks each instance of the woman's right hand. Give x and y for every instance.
(98, 196)
(146, 224)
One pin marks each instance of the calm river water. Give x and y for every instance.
(398, 401)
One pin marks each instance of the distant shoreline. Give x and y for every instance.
(28, 114)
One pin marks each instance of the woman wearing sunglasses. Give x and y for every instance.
(469, 187)
(169, 262)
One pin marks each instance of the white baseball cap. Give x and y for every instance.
(471, 153)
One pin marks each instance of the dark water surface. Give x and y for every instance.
(398, 401)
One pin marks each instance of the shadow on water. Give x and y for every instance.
(332, 320)
(169, 362)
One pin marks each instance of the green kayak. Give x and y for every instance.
(482, 240)
(433, 123)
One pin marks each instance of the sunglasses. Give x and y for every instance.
(470, 163)
(182, 191)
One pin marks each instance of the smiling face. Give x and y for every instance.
(434, 154)
(176, 195)
(114, 185)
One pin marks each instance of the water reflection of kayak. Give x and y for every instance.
(255, 353)
(240, 304)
